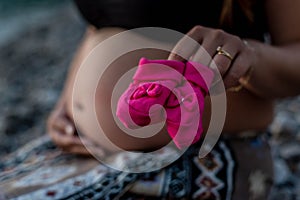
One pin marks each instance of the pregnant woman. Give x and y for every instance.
(256, 48)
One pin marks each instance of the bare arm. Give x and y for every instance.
(277, 71)
(276, 67)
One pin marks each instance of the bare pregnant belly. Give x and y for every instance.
(244, 111)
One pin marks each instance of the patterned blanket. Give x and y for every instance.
(40, 170)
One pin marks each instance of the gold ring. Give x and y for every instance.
(224, 53)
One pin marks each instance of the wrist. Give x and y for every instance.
(254, 79)
(244, 81)
(265, 73)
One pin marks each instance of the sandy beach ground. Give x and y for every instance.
(36, 47)
(37, 42)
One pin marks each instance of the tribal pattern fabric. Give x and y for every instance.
(40, 170)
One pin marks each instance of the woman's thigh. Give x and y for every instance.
(235, 169)
(254, 168)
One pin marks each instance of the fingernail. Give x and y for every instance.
(69, 130)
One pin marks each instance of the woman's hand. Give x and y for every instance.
(235, 65)
(62, 130)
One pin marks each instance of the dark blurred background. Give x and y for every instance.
(37, 41)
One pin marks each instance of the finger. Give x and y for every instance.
(239, 67)
(76, 149)
(209, 47)
(86, 150)
(202, 56)
(183, 49)
(64, 140)
(223, 62)
(187, 46)
(65, 125)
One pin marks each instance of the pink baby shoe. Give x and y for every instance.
(179, 88)
(152, 84)
(186, 104)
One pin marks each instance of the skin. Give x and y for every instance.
(275, 75)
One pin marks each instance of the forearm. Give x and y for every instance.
(277, 70)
